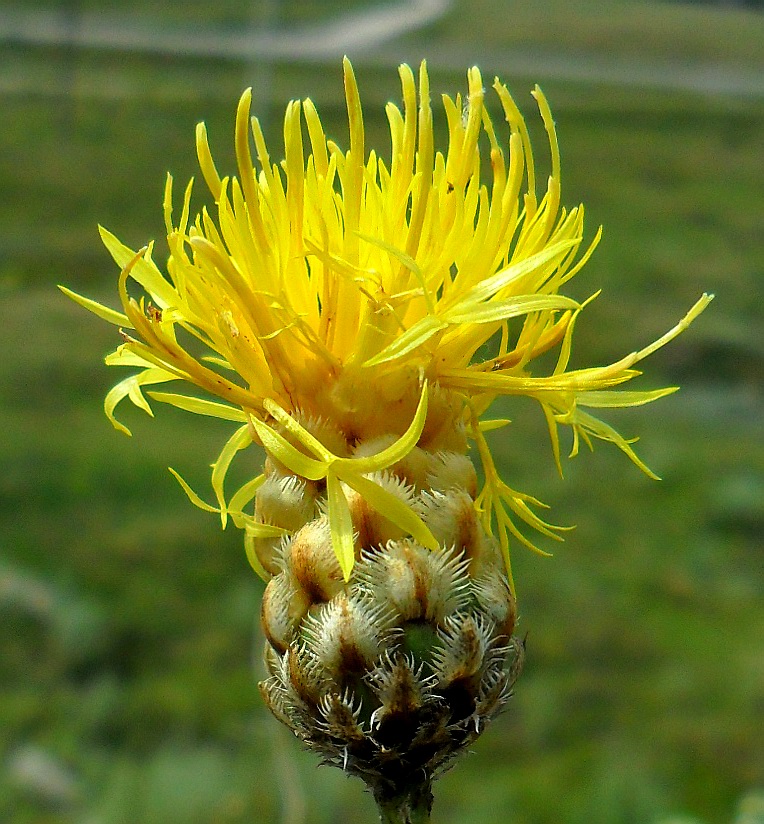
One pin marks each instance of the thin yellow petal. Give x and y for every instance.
(206, 163)
(278, 446)
(131, 388)
(103, 312)
(396, 451)
(192, 496)
(393, 508)
(497, 423)
(497, 310)
(254, 561)
(341, 525)
(411, 339)
(698, 307)
(141, 270)
(240, 439)
(244, 495)
(256, 528)
(297, 431)
(199, 406)
(516, 271)
(604, 398)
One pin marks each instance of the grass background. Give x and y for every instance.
(128, 630)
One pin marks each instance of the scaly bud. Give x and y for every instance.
(310, 557)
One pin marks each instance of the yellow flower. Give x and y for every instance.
(345, 293)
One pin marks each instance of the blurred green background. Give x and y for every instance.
(129, 644)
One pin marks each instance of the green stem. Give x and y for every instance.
(411, 806)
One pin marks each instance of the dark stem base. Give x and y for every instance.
(404, 805)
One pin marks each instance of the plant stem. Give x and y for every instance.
(411, 806)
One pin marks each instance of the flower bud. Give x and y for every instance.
(286, 501)
(415, 582)
(413, 469)
(402, 692)
(371, 526)
(347, 635)
(496, 600)
(452, 470)
(310, 557)
(444, 428)
(284, 606)
(464, 643)
(452, 519)
(341, 717)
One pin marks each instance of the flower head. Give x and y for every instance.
(341, 304)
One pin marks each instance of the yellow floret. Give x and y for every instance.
(344, 293)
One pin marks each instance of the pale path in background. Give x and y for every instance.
(361, 34)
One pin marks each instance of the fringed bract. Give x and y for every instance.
(390, 674)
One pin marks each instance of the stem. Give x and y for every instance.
(411, 806)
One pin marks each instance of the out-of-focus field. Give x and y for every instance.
(128, 635)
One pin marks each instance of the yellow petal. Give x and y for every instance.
(240, 439)
(254, 561)
(192, 496)
(395, 452)
(515, 271)
(298, 431)
(109, 315)
(244, 495)
(290, 456)
(410, 340)
(498, 423)
(341, 525)
(143, 271)
(604, 398)
(212, 409)
(131, 388)
(497, 310)
(393, 508)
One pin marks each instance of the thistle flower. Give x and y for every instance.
(357, 317)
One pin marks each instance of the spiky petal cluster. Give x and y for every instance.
(338, 288)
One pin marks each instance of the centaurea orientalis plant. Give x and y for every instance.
(344, 304)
